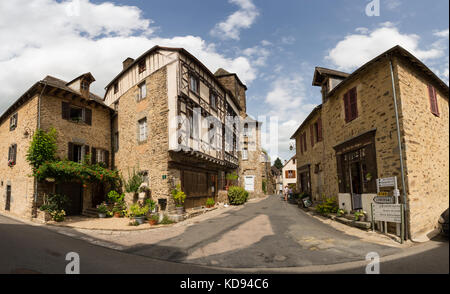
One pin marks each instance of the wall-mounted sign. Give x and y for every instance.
(384, 199)
(387, 182)
(164, 177)
(387, 212)
(382, 193)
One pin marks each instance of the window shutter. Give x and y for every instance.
(433, 100)
(94, 156)
(353, 104)
(70, 155)
(88, 116)
(65, 110)
(107, 159)
(301, 143)
(319, 130)
(286, 174)
(346, 107)
(11, 123)
(293, 174)
(14, 148)
(86, 151)
(9, 153)
(305, 143)
(311, 129)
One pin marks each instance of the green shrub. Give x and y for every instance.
(137, 210)
(114, 197)
(42, 148)
(166, 220)
(264, 186)
(237, 195)
(178, 196)
(210, 202)
(328, 206)
(134, 182)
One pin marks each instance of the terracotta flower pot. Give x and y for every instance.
(153, 222)
(117, 215)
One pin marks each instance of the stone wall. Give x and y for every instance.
(22, 185)
(151, 155)
(427, 148)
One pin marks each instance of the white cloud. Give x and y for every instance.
(40, 37)
(241, 19)
(441, 34)
(288, 40)
(392, 4)
(287, 101)
(257, 54)
(357, 49)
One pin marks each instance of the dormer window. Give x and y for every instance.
(85, 86)
(116, 88)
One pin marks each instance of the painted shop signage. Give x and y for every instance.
(387, 212)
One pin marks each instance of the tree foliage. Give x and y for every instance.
(42, 149)
(278, 164)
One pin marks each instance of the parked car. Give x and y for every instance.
(443, 223)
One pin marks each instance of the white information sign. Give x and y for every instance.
(387, 182)
(387, 212)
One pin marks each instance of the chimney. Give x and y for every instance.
(232, 83)
(126, 63)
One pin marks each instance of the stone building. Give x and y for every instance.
(82, 122)
(178, 123)
(351, 139)
(289, 172)
(165, 116)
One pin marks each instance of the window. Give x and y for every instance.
(212, 135)
(245, 154)
(12, 154)
(116, 88)
(116, 105)
(142, 66)
(76, 113)
(116, 141)
(311, 128)
(13, 122)
(350, 105)
(246, 131)
(213, 99)
(433, 100)
(318, 130)
(143, 130)
(142, 91)
(194, 83)
(84, 85)
(290, 174)
(304, 142)
(76, 152)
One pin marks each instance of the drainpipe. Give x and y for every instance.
(38, 127)
(399, 145)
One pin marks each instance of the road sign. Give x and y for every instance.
(387, 182)
(384, 199)
(382, 193)
(387, 212)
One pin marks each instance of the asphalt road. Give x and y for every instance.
(265, 237)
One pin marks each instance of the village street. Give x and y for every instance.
(265, 236)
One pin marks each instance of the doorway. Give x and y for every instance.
(74, 192)
(356, 184)
(8, 198)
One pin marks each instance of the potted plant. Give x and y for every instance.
(11, 163)
(138, 212)
(179, 197)
(231, 178)
(368, 177)
(118, 209)
(360, 216)
(154, 219)
(102, 210)
(340, 212)
(210, 202)
(151, 205)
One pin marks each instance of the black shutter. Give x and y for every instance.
(15, 152)
(86, 151)
(70, 154)
(94, 156)
(88, 116)
(371, 164)
(9, 153)
(107, 159)
(65, 110)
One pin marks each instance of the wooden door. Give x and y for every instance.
(8, 198)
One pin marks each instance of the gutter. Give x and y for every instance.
(400, 149)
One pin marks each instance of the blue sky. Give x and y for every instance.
(272, 45)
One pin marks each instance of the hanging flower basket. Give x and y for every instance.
(11, 163)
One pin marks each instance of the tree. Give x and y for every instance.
(278, 164)
(42, 149)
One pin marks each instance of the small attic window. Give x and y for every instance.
(84, 85)
(142, 66)
(116, 88)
